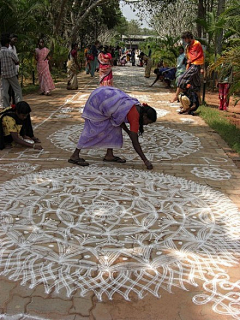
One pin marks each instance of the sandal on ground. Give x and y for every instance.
(36, 140)
(115, 159)
(79, 162)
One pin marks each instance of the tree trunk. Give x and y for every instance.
(201, 15)
(59, 18)
(219, 35)
(77, 20)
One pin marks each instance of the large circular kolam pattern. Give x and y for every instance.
(114, 231)
(158, 143)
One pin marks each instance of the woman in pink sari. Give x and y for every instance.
(44, 77)
(105, 68)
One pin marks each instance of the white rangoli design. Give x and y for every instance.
(19, 168)
(119, 231)
(158, 143)
(187, 120)
(62, 116)
(20, 316)
(161, 113)
(174, 105)
(142, 98)
(66, 109)
(30, 153)
(212, 173)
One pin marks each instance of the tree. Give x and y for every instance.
(71, 14)
(172, 20)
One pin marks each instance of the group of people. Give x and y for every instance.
(107, 109)
(189, 81)
(15, 121)
(106, 112)
(11, 91)
(101, 59)
(186, 73)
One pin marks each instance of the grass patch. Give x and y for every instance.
(218, 121)
(29, 88)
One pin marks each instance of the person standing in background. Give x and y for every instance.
(87, 61)
(44, 76)
(148, 63)
(72, 68)
(12, 47)
(195, 61)
(105, 67)
(133, 57)
(225, 78)
(8, 61)
(149, 51)
(181, 64)
(94, 52)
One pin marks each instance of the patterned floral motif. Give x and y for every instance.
(119, 231)
(158, 143)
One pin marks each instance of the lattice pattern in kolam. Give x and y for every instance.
(158, 143)
(211, 173)
(118, 231)
(18, 167)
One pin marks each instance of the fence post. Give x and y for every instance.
(33, 77)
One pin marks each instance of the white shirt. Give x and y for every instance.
(14, 50)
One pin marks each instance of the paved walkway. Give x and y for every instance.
(115, 241)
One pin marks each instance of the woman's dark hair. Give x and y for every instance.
(5, 40)
(105, 49)
(187, 34)
(23, 107)
(151, 115)
(74, 45)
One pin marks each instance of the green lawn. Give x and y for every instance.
(218, 121)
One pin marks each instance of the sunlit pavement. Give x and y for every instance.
(115, 241)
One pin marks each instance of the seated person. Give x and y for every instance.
(188, 99)
(15, 126)
(166, 75)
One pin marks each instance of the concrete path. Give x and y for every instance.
(115, 241)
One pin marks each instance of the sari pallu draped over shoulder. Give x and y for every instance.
(105, 69)
(105, 110)
(72, 71)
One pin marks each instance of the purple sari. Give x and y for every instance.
(105, 110)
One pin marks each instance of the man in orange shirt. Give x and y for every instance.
(195, 61)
